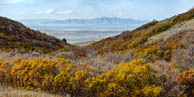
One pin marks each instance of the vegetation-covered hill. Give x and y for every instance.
(171, 40)
(143, 34)
(14, 35)
(154, 60)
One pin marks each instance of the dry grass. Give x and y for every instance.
(10, 92)
(6, 56)
(82, 44)
(168, 73)
(178, 28)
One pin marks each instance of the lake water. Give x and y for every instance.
(73, 36)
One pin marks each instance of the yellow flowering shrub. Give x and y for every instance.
(31, 73)
(126, 79)
(135, 79)
(151, 91)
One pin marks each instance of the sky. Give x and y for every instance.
(82, 9)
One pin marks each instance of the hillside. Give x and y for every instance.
(144, 33)
(14, 35)
(154, 60)
(158, 40)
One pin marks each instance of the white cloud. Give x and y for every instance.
(65, 12)
(53, 11)
(50, 11)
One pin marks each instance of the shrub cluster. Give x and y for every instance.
(59, 76)
(157, 51)
(187, 78)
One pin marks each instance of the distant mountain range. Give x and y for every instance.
(96, 22)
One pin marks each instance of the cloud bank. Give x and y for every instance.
(63, 9)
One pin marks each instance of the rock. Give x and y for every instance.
(64, 40)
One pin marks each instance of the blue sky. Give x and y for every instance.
(66, 9)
